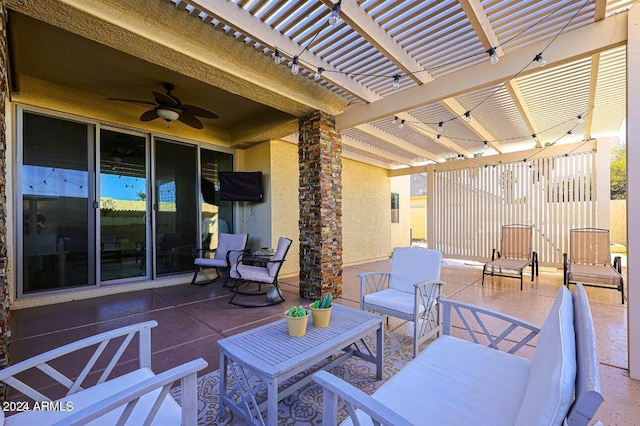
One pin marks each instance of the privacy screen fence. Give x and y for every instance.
(553, 194)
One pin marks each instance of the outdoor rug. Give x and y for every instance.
(305, 406)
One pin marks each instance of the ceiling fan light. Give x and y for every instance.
(168, 114)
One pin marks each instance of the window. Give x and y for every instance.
(395, 207)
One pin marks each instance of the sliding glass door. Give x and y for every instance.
(124, 205)
(176, 211)
(57, 215)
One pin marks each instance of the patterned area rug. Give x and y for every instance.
(305, 406)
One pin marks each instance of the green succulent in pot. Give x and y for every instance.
(296, 311)
(323, 303)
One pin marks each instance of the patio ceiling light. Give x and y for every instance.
(334, 18)
(540, 60)
(493, 56)
(295, 68)
(396, 81)
(168, 114)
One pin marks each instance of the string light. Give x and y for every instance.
(334, 18)
(295, 68)
(276, 57)
(486, 145)
(318, 73)
(540, 60)
(396, 81)
(493, 56)
(440, 125)
(467, 116)
(580, 119)
(395, 119)
(401, 124)
(535, 138)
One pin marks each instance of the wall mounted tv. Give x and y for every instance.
(240, 186)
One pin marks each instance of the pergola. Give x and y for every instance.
(411, 83)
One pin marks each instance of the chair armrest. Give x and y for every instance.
(41, 361)
(617, 264)
(372, 281)
(334, 387)
(510, 323)
(185, 372)
(237, 254)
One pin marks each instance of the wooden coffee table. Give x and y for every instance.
(269, 354)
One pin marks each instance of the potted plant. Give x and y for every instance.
(297, 318)
(321, 311)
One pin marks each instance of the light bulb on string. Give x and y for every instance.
(486, 145)
(395, 119)
(396, 81)
(401, 124)
(334, 17)
(440, 125)
(318, 73)
(493, 56)
(467, 116)
(276, 57)
(295, 67)
(540, 60)
(580, 119)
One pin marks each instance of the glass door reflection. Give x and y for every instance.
(123, 206)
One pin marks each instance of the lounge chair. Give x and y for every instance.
(589, 260)
(515, 254)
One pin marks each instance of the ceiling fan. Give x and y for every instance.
(170, 108)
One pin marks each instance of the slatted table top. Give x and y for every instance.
(270, 350)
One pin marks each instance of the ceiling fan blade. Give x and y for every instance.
(190, 120)
(197, 111)
(132, 101)
(152, 114)
(165, 100)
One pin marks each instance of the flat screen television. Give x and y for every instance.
(240, 186)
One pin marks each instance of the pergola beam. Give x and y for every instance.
(431, 133)
(587, 40)
(458, 110)
(398, 142)
(363, 24)
(593, 83)
(523, 108)
(481, 24)
(363, 146)
(243, 21)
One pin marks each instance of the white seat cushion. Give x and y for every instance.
(252, 273)
(393, 299)
(551, 382)
(456, 382)
(170, 412)
(210, 263)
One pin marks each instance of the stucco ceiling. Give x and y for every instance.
(438, 50)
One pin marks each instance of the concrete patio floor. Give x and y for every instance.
(192, 318)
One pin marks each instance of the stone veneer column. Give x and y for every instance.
(4, 286)
(320, 162)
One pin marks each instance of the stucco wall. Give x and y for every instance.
(255, 218)
(284, 201)
(366, 212)
(619, 221)
(419, 217)
(401, 231)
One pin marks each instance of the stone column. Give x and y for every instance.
(320, 162)
(4, 285)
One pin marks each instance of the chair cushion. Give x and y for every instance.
(549, 391)
(252, 273)
(210, 263)
(411, 265)
(457, 382)
(170, 412)
(228, 242)
(393, 299)
(281, 252)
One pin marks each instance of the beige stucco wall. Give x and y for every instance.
(619, 221)
(401, 231)
(419, 217)
(366, 212)
(285, 212)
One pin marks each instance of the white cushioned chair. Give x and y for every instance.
(252, 275)
(411, 290)
(230, 247)
(134, 398)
